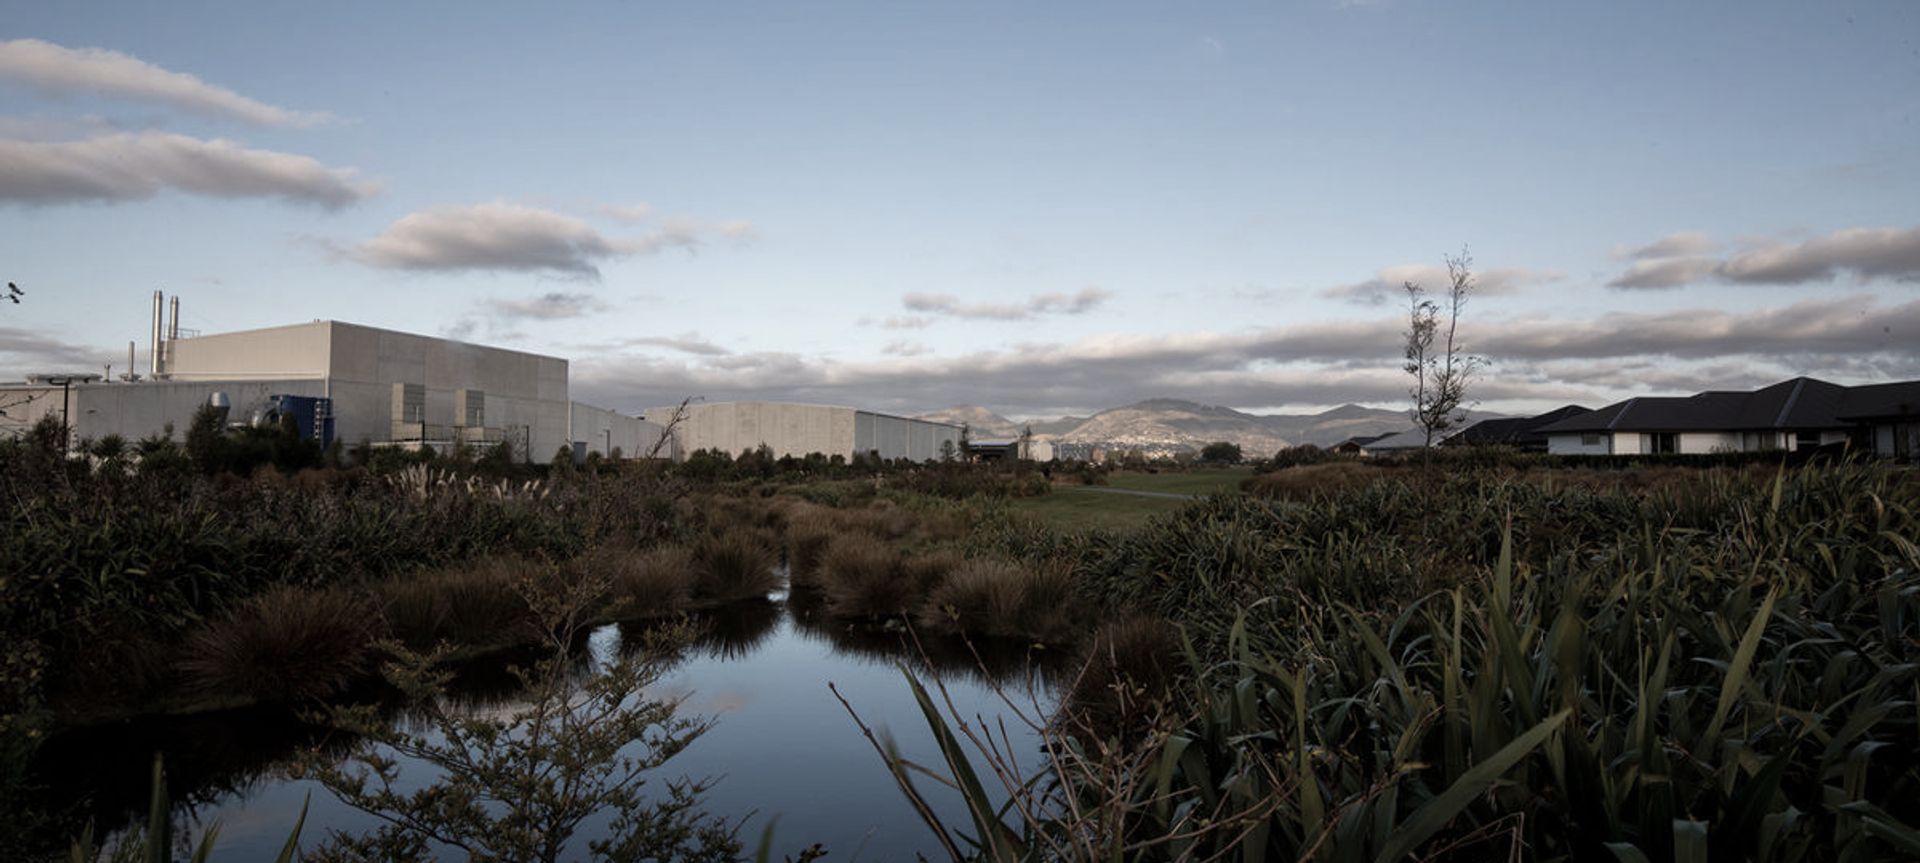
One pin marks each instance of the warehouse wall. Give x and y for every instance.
(599, 427)
(134, 411)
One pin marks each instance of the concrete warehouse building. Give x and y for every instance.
(382, 387)
(797, 430)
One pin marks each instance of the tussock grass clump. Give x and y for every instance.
(809, 531)
(860, 575)
(734, 564)
(649, 583)
(481, 603)
(284, 645)
(1003, 599)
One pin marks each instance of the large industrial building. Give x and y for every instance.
(799, 430)
(379, 386)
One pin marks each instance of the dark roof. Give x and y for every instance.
(1881, 401)
(1363, 439)
(1515, 431)
(1800, 403)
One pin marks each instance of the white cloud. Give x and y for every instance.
(491, 236)
(627, 212)
(1665, 273)
(1080, 302)
(58, 70)
(1677, 245)
(1388, 285)
(135, 166)
(548, 307)
(687, 343)
(514, 237)
(1865, 253)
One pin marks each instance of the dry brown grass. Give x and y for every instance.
(734, 564)
(641, 583)
(860, 574)
(1306, 481)
(1003, 599)
(284, 645)
(810, 529)
(480, 603)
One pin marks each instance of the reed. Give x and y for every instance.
(860, 577)
(650, 583)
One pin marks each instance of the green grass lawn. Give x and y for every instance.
(1071, 507)
(1202, 481)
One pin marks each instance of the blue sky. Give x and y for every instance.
(1040, 208)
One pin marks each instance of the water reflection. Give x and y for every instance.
(781, 743)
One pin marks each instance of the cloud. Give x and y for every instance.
(689, 343)
(548, 307)
(136, 166)
(626, 212)
(1864, 253)
(509, 237)
(32, 350)
(60, 71)
(1682, 244)
(1388, 284)
(1081, 302)
(1537, 361)
(1665, 273)
(904, 348)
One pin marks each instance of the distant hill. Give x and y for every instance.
(1166, 426)
(982, 424)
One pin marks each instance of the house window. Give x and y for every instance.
(1590, 439)
(1806, 440)
(1663, 442)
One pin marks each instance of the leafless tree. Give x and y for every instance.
(1436, 358)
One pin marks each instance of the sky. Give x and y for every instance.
(1041, 208)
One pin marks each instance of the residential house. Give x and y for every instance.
(1796, 414)
(1522, 433)
(1885, 417)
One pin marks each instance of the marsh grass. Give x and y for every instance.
(860, 577)
(809, 531)
(481, 603)
(1003, 599)
(284, 645)
(734, 564)
(641, 583)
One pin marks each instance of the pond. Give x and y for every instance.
(781, 746)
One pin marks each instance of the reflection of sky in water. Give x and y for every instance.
(781, 745)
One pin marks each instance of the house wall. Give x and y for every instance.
(1573, 444)
(1702, 443)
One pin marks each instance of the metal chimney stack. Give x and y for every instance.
(173, 318)
(153, 352)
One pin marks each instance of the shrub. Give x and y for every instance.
(283, 645)
(1304, 482)
(734, 564)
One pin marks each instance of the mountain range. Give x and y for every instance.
(1159, 426)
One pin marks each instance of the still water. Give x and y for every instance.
(781, 745)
